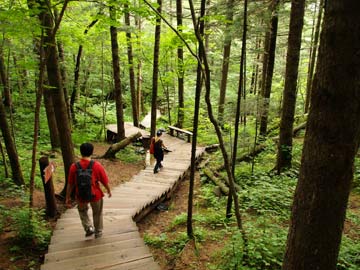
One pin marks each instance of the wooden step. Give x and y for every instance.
(105, 239)
(91, 249)
(100, 260)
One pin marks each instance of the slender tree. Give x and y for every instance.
(74, 92)
(331, 142)
(5, 81)
(17, 175)
(155, 69)
(284, 154)
(116, 73)
(181, 72)
(268, 69)
(134, 104)
(206, 77)
(314, 48)
(238, 104)
(226, 58)
(199, 78)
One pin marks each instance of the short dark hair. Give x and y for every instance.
(158, 133)
(86, 149)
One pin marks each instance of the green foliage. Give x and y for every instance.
(267, 194)
(129, 154)
(349, 256)
(30, 227)
(172, 245)
(356, 180)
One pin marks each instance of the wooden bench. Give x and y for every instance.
(180, 131)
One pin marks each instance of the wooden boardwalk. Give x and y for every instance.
(120, 247)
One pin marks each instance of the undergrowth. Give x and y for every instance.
(265, 200)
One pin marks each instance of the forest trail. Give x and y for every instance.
(120, 247)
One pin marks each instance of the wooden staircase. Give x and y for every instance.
(120, 247)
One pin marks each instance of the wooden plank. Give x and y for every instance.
(90, 250)
(142, 264)
(105, 239)
(77, 236)
(100, 260)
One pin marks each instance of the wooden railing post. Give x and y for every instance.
(51, 207)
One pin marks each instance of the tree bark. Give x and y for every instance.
(226, 59)
(238, 105)
(331, 142)
(57, 93)
(199, 31)
(74, 92)
(113, 149)
(131, 68)
(17, 175)
(181, 71)
(51, 206)
(140, 103)
(313, 57)
(117, 80)
(5, 82)
(155, 70)
(64, 77)
(284, 153)
(51, 120)
(269, 70)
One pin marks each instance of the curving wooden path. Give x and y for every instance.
(120, 247)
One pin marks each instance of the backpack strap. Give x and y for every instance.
(90, 164)
(78, 166)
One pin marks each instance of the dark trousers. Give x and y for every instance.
(158, 165)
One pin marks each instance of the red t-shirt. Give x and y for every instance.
(98, 175)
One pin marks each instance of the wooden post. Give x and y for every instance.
(51, 207)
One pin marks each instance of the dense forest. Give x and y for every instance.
(273, 85)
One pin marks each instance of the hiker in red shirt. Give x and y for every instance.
(98, 175)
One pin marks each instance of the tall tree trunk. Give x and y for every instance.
(51, 119)
(155, 69)
(284, 154)
(131, 68)
(199, 78)
(226, 59)
(5, 81)
(55, 82)
(314, 48)
(207, 76)
(117, 80)
(74, 92)
(269, 70)
(39, 93)
(238, 104)
(140, 103)
(255, 73)
(331, 142)
(181, 71)
(10, 147)
(64, 77)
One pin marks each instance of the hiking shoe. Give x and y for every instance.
(89, 232)
(98, 234)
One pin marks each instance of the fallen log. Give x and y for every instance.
(224, 189)
(116, 147)
(298, 128)
(226, 180)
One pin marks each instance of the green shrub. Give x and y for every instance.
(30, 227)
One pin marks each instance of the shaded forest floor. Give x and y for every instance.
(183, 255)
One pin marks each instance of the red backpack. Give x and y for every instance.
(152, 146)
